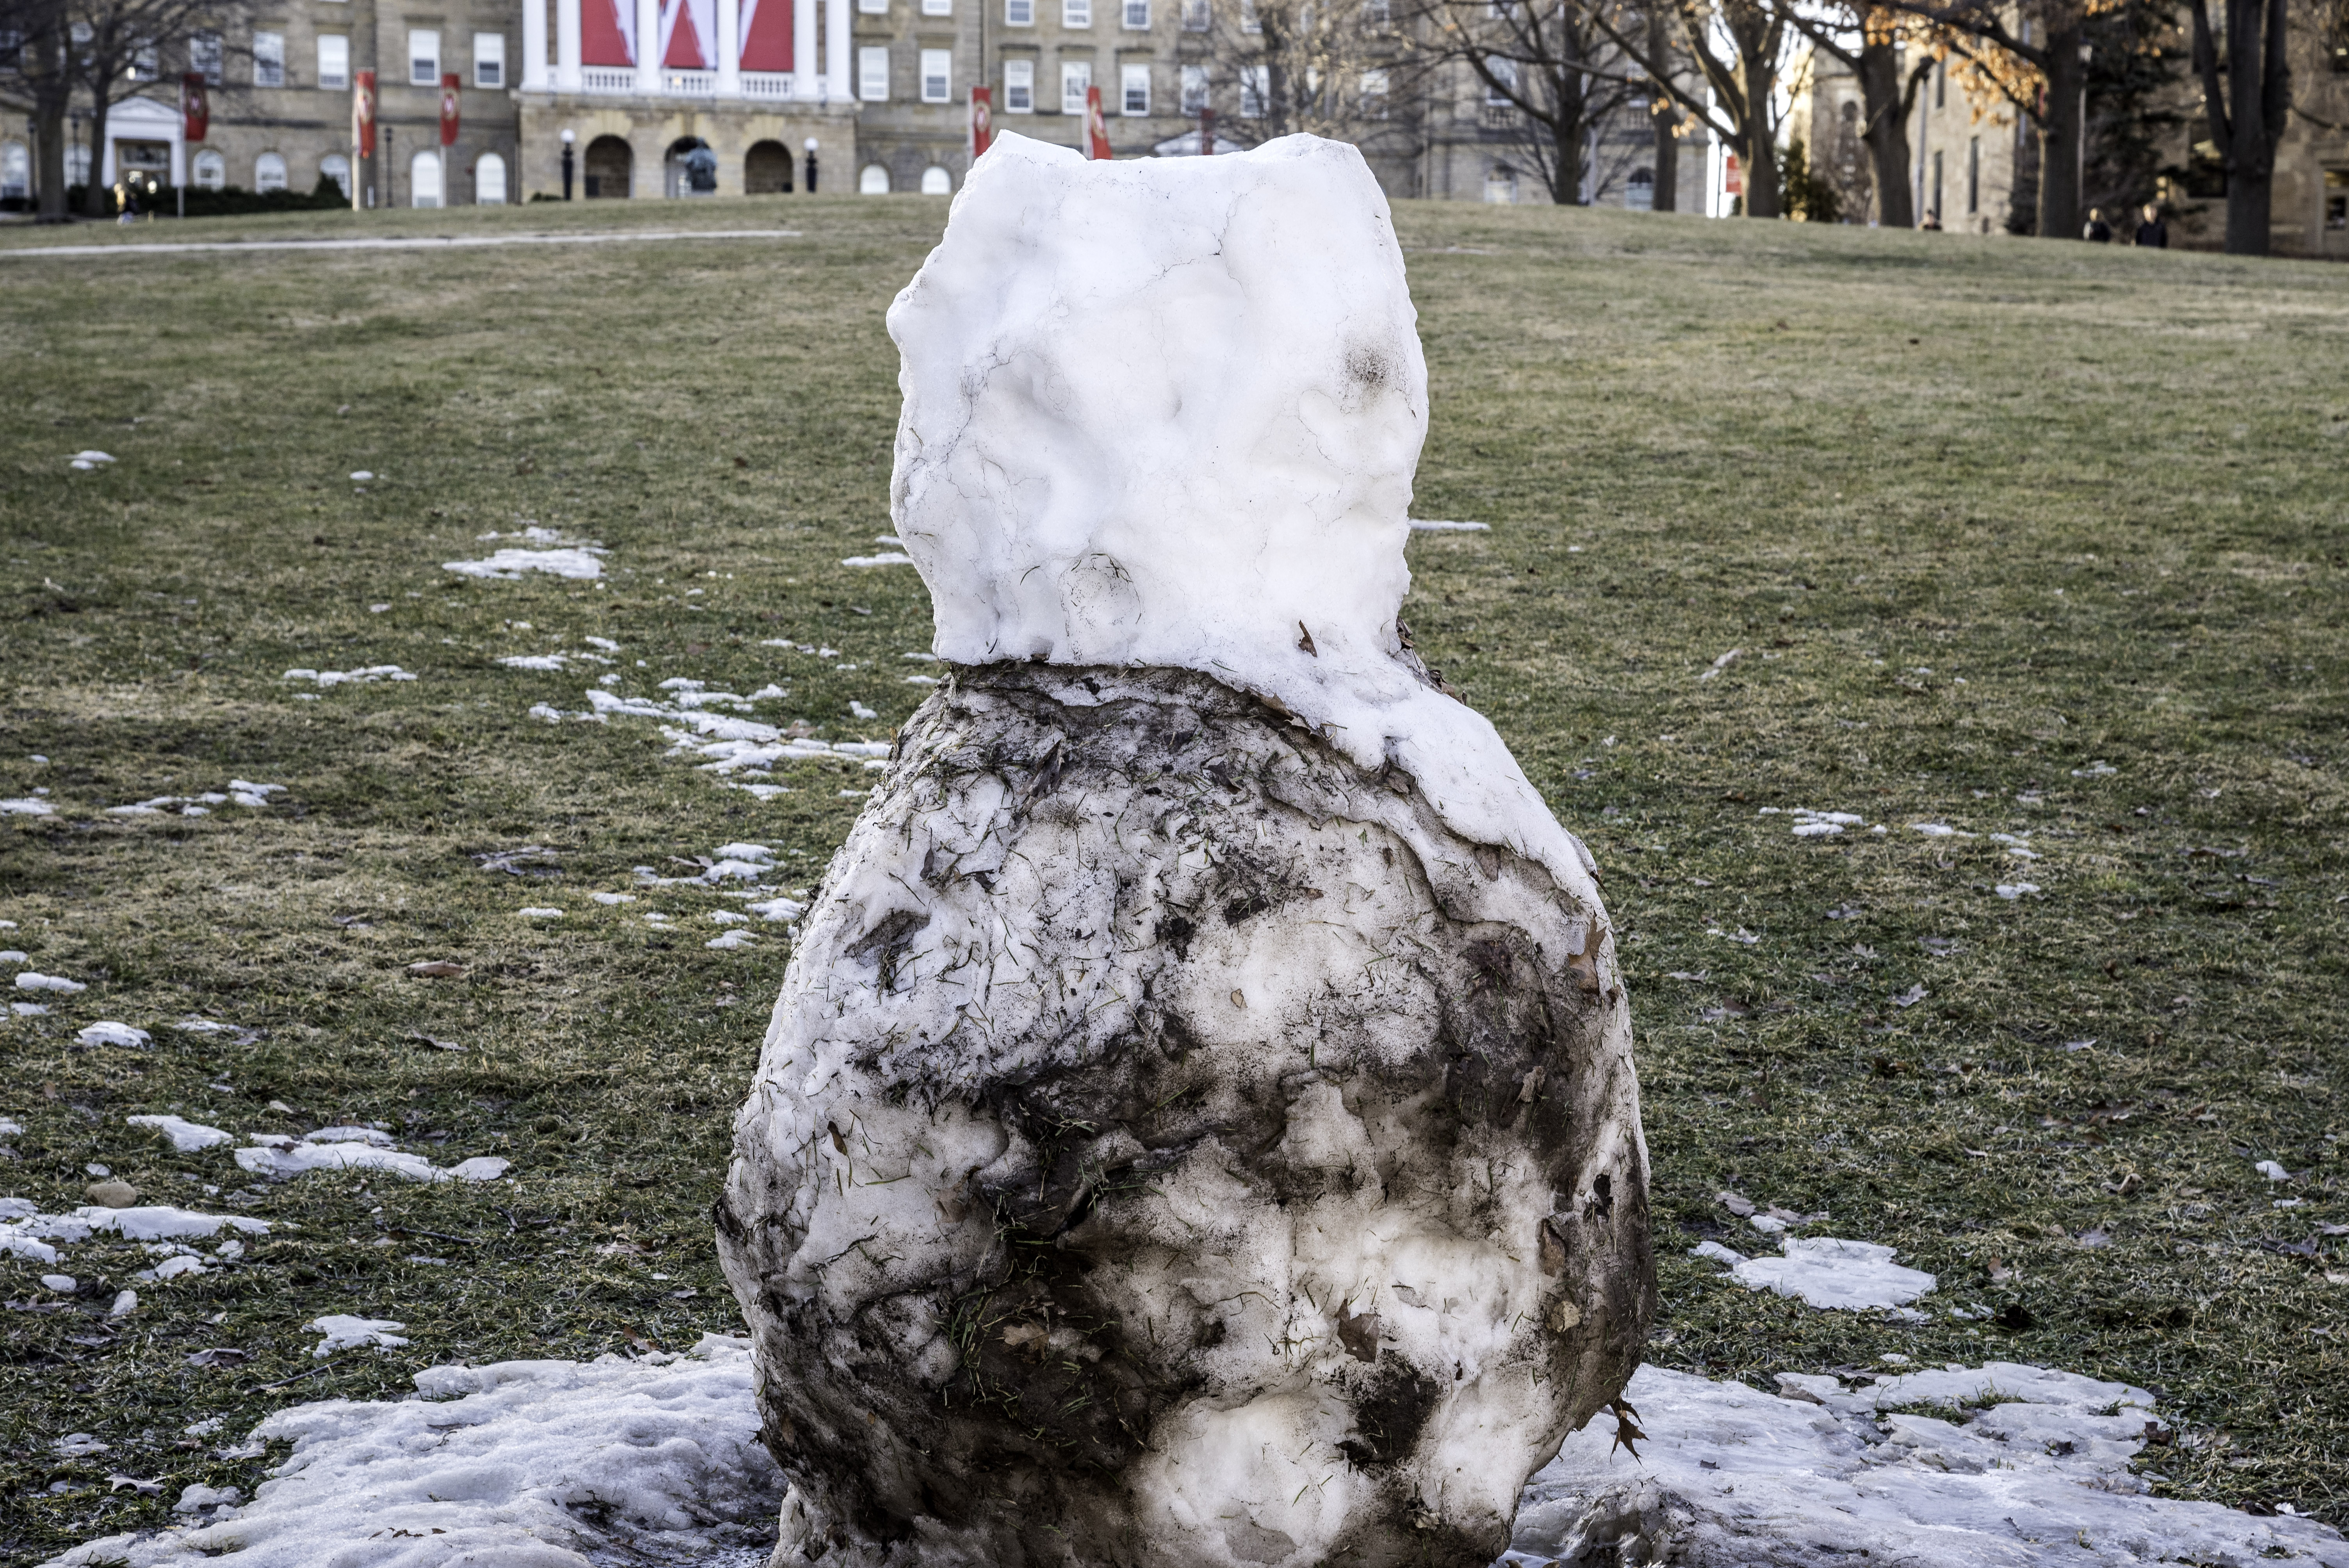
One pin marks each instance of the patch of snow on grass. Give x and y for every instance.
(1729, 1475)
(187, 1137)
(532, 1464)
(344, 1332)
(365, 676)
(25, 806)
(1829, 1272)
(107, 1032)
(578, 564)
(887, 558)
(33, 980)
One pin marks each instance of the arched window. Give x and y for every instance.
(269, 172)
(874, 181)
(15, 171)
(212, 171)
(691, 168)
(609, 160)
(767, 169)
(489, 180)
(336, 167)
(1501, 185)
(424, 180)
(1640, 191)
(937, 181)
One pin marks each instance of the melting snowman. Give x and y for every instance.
(1198, 1127)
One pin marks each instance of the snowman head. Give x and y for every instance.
(1164, 412)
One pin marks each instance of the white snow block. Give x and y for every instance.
(1198, 1127)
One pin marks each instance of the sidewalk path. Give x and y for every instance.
(421, 242)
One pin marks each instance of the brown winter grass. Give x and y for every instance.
(1979, 514)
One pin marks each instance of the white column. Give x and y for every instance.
(533, 45)
(729, 48)
(804, 60)
(648, 68)
(566, 45)
(839, 53)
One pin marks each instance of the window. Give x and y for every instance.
(1501, 185)
(1375, 14)
(334, 60)
(937, 7)
(873, 74)
(15, 171)
(1256, 86)
(1195, 15)
(874, 181)
(146, 62)
(336, 167)
(874, 7)
(1019, 87)
(1137, 15)
(77, 163)
(489, 180)
(1076, 77)
(269, 59)
(1374, 95)
(424, 180)
(489, 59)
(204, 57)
(1134, 89)
(269, 172)
(423, 58)
(1933, 207)
(1639, 194)
(1195, 88)
(937, 181)
(1504, 81)
(937, 75)
(212, 171)
(1248, 23)
(1941, 85)
(1018, 13)
(1076, 13)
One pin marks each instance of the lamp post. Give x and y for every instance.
(568, 138)
(390, 190)
(811, 165)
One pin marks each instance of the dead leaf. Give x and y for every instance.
(1911, 996)
(1627, 1431)
(1736, 1204)
(1358, 1333)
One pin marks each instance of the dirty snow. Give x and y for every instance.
(300, 1159)
(25, 806)
(523, 1464)
(1728, 1476)
(887, 558)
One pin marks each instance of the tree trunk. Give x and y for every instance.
(96, 199)
(1566, 128)
(1666, 121)
(2257, 92)
(2060, 131)
(1886, 133)
(1757, 138)
(52, 91)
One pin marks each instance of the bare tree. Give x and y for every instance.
(2247, 95)
(1336, 69)
(1738, 48)
(1868, 40)
(39, 59)
(1550, 75)
(2034, 54)
(119, 44)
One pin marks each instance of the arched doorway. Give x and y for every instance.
(423, 179)
(609, 160)
(937, 181)
(489, 180)
(874, 181)
(767, 169)
(689, 169)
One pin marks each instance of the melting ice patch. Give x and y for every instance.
(298, 1158)
(577, 563)
(33, 980)
(1826, 1272)
(107, 1032)
(187, 1137)
(1813, 824)
(367, 676)
(551, 1464)
(2036, 1473)
(25, 806)
(346, 1332)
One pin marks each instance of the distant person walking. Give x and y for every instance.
(2098, 232)
(2153, 232)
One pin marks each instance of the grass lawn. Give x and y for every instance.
(2036, 540)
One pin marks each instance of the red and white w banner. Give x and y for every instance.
(1096, 128)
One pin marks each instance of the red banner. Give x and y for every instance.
(982, 121)
(449, 86)
(363, 113)
(195, 108)
(1096, 128)
(1733, 176)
